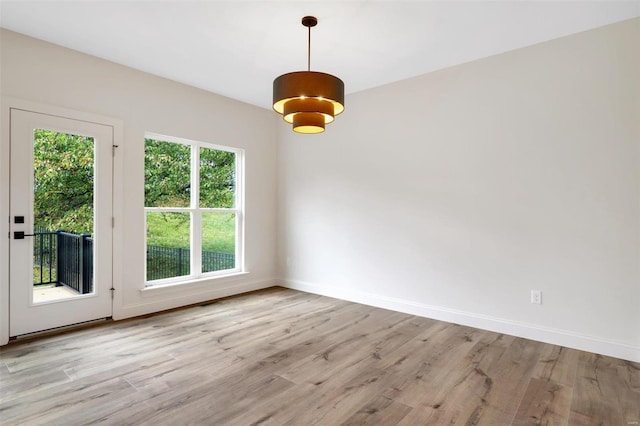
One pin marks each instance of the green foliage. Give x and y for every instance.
(217, 178)
(63, 181)
(64, 178)
(168, 229)
(219, 232)
(172, 230)
(167, 179)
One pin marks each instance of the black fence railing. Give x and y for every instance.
(169, 262)
(45, 257)
(75, 261)
(215, 261)
(63, 258)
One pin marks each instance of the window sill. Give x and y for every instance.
(199, 283)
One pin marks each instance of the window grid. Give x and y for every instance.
(196, 212)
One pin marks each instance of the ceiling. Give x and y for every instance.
(236, 48)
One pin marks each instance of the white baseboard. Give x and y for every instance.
(499, 325)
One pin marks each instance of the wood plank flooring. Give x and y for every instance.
(283, 357)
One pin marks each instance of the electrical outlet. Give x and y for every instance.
(536, 297)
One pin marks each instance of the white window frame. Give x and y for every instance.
(195, 212)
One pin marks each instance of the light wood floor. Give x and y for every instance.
(285, 357)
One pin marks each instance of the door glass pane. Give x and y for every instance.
(168, 245)
(63, 188)
(167, 174)
(218, 241)
(217, 178)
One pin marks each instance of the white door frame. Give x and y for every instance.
(6, 104)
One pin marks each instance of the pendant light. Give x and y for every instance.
(308, 99)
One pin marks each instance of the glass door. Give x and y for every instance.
(60, 213)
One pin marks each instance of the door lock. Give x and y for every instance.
(19, 235)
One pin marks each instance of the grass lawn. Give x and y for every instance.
(172, 230)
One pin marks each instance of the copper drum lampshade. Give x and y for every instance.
(308, 99)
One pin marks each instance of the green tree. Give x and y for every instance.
(167, 179)
(168, 175)
(64, 178)
(168, 184)
(217, 178)
(63, 181)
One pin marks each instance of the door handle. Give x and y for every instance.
(19, 235)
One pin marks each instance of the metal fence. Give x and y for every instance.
(45, 257)
(63, 258)
(169, 262)
(215, 261)
(75, 261)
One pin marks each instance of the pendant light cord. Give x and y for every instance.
(309, 51)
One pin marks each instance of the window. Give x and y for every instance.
(193, 209)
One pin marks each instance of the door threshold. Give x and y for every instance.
(62, 329)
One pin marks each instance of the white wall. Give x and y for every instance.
(454, 194)
(44, 73)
